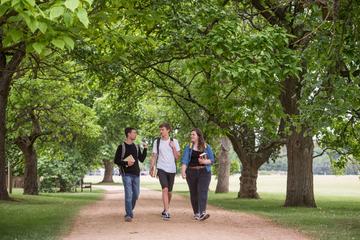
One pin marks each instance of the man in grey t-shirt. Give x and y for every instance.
(164, 155)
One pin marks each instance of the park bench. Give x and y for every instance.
(85, 185)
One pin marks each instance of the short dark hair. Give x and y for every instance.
(165, 125)
(128, 130)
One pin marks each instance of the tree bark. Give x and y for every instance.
(30, 176)
(300, 187)
(108, 175)
(248, 180)
(3, 191)
(251, 162)
(300, 148)
(224, 167)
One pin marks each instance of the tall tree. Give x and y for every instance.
(309, 23)
(30, 27)
(36, 111)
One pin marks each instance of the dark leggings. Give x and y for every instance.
(198, 181)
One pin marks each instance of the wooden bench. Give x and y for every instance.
(85, 185)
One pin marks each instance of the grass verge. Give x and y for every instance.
(46, 216)
(336, 217)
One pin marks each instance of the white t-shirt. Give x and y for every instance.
(166, 160)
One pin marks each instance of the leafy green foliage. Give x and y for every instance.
(42, 24)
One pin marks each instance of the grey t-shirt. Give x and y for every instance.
(166, 160)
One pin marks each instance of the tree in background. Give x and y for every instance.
(37, 112)
(30, 29)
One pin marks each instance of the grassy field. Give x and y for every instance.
(337, 216)
(46, 216)
(337, 197)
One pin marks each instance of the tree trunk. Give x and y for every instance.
(30, 176)
(7, 70)
(108, 175)
(248, 180)
(300, 148)
(3, 191)
(224, 167)
(63, 185)
(249, 170)
(300, 187)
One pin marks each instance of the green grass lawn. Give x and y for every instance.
(336, 217)
(46, 216)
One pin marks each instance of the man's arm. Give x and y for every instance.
(152, 164)
(142, 155)
(175, 151)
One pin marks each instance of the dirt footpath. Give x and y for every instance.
(105, 220)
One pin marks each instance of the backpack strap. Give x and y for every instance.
(172, 140)
(157, 147)
(122, 151)
(121, 168)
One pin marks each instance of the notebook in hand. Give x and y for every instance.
(129, 158)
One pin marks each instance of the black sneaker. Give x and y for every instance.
(166, 216)
(204, 216)
(163, 213)
(128, 219)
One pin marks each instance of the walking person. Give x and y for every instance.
(127, 157)
(163, 164)
(196, 168)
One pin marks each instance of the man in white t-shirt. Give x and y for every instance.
(164, 155)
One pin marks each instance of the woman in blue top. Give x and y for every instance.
(196, 168)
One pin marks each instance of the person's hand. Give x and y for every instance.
(202, 161)
(183, 174)
(130, 163)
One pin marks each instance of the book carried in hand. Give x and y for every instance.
(129, 158)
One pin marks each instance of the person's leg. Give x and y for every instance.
(203, 188)
(165, 189)
(191, 179)
(128, 195)
(135, 190)
(171, 179)
(165, 198)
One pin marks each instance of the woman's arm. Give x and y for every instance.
(210, 157)
(183, 171)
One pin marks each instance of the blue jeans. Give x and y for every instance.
(132, 191)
